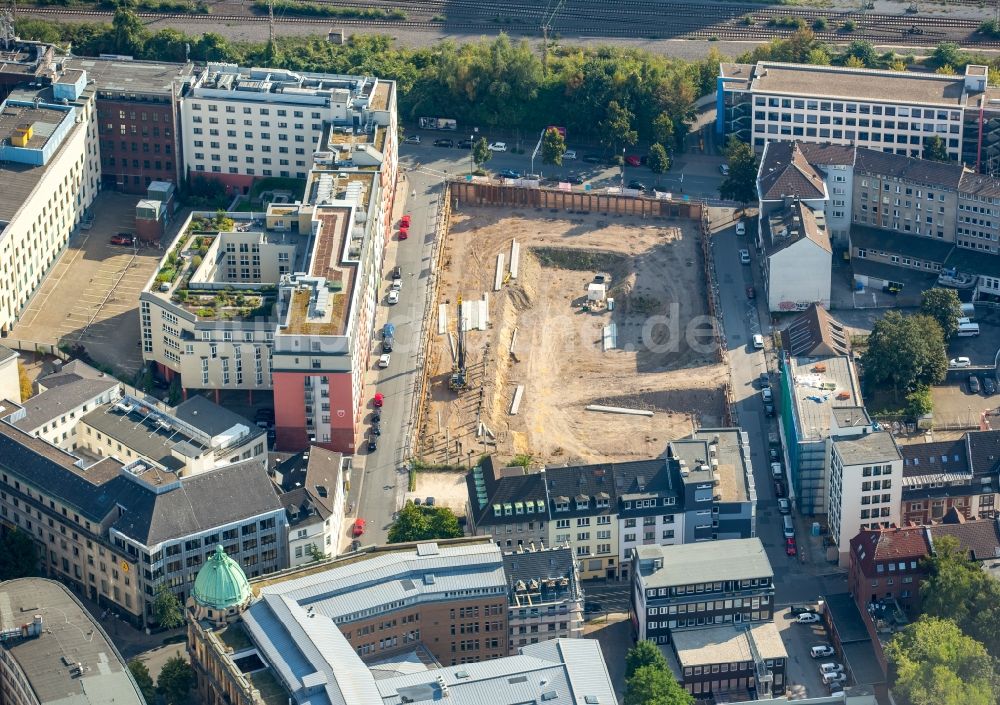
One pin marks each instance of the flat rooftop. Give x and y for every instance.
(703, 562)
(144, 435)
(819, 385)
(875, 447)
(732, 469)
(698, 647)
(42, 120)
(834, 82)
(69, 636)
(131, 77)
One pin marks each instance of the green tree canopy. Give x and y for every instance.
(904, 353)
(919, 402)
(145, 681)
(659, 160)
(616, 128)
(741, 183)
(481, 152)
(645, 653)
(553, 147)
(936, 664)
(18, 555)
(175, 681)
(167, 609)
(935, 149)
(944, 306)
(654, 685)
(130, 34)
(423, 523)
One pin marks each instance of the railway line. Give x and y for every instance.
(640, 19)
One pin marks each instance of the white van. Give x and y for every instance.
(963, 321)
(788, 526)
(967, 330)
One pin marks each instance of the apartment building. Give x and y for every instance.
(53, 651)
(115, 531)
(49, 174)
(10, 379)
(866, 473)
(702, 490)
(137, 119)
(544, 597)
(64, 397)
(313, 489)
(890, 111)
(240, 124)
(195, 436)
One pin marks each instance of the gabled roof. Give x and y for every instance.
(984, 451)
(896, 544)
(786, 173)
(502, 486)
(794, 223)
(6, 353)
(815, 333)
(979, 538)
(934, 458)
(63, 394)
(69, 372)
(210, 418)
(921, 171)
(827, 154)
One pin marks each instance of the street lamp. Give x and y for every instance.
(534, 153)
(623, 168)
(472, 144)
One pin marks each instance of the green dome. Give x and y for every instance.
(221, 583)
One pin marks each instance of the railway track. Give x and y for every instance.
(630, 19)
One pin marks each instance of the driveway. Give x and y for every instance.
(802, 671)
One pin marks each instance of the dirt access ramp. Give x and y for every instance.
(664, 361)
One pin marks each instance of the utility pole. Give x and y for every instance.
(270, 25)
(547, 18)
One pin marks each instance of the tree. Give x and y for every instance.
(645, 653)
(741, 183)
(142, 678)
(422, 523)
(175, 680)
(948, 54)
(936, 664)
(919, 402)
(664, 132)
(659, 160)
(553, 147)
(481, 152)
(24, 382)
(616, 128)
(935, 149)
(129, 33)
(167, 610)
(944, 306)
(904, 353)
(652, 685)
(863, 54)
(18, 555)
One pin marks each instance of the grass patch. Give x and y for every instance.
(311, 9)
(580, 260)
(420, 465)
(297, 187)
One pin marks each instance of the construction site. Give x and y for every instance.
(567, 338)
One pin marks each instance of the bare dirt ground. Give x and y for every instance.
(665, 361)
(447, 488)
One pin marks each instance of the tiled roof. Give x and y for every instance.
(786, 173)
(922, 171)
(793, 223)
(827, 154)
(984, 451)
(979, 539)
(979, 185)
(933, 458)
(815, 333)
(69, 393)
(895, 544)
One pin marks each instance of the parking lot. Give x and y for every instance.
(980, 349)
(91, 296)
(802, 671)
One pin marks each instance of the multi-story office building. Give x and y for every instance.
(702, 490)
(22, 61)
(866, 481)
(731, 661)
(241, 124)
(137, 119)
(890, 111)
(53, 651)
(545, 600)
(117, 530)
(49, 174)
(285, 646)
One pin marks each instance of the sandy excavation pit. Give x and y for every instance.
(664, 360)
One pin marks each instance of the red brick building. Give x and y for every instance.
(887, 564)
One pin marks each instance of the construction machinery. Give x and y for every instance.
(458, 380)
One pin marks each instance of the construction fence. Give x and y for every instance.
(491, 194)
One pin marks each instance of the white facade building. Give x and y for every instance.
(866, 484)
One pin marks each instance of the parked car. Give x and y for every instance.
(636, 185)
(766, 395)
(429, 502)
(776, 471)
(376, 428)
(633, 160)
(831, 668)
(127, 239)
(779, 488)
(397, 284)
(376, 416)
(404, 222)
(498, 147)
(744, 256)
(784, 506)
(383, 360)
(769, 409)
(820, 650)
(465, 144)
(590, 607)
(412, 139)
(791, 549)
(765, 380)
(393, 298)
(960, 362)
(989, 386)
(404, 232)
(509, 174)
(573, 179)
(758, 341)
(774, 454)
(751, 293)
(741, 228)
(974, 386)
(378, 400)
(831, 678)
(397, 272)
(372, 443)
(358, 528)
(569, 154)
(444, 142)
(807, 618)
(796, 610)
(724, 169)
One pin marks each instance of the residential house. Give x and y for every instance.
(797, 258)
(544, 597)
(885, 564)
(313, 490)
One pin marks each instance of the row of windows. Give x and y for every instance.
(858, 108)
(810, 119)
(837, 134)
(281, 112)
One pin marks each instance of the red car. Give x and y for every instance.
(751, 293)
(403, 232)
(123, 239)
(633, 160)
(790, 549)
(404, 222)
(358, 528)
(378, 400)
